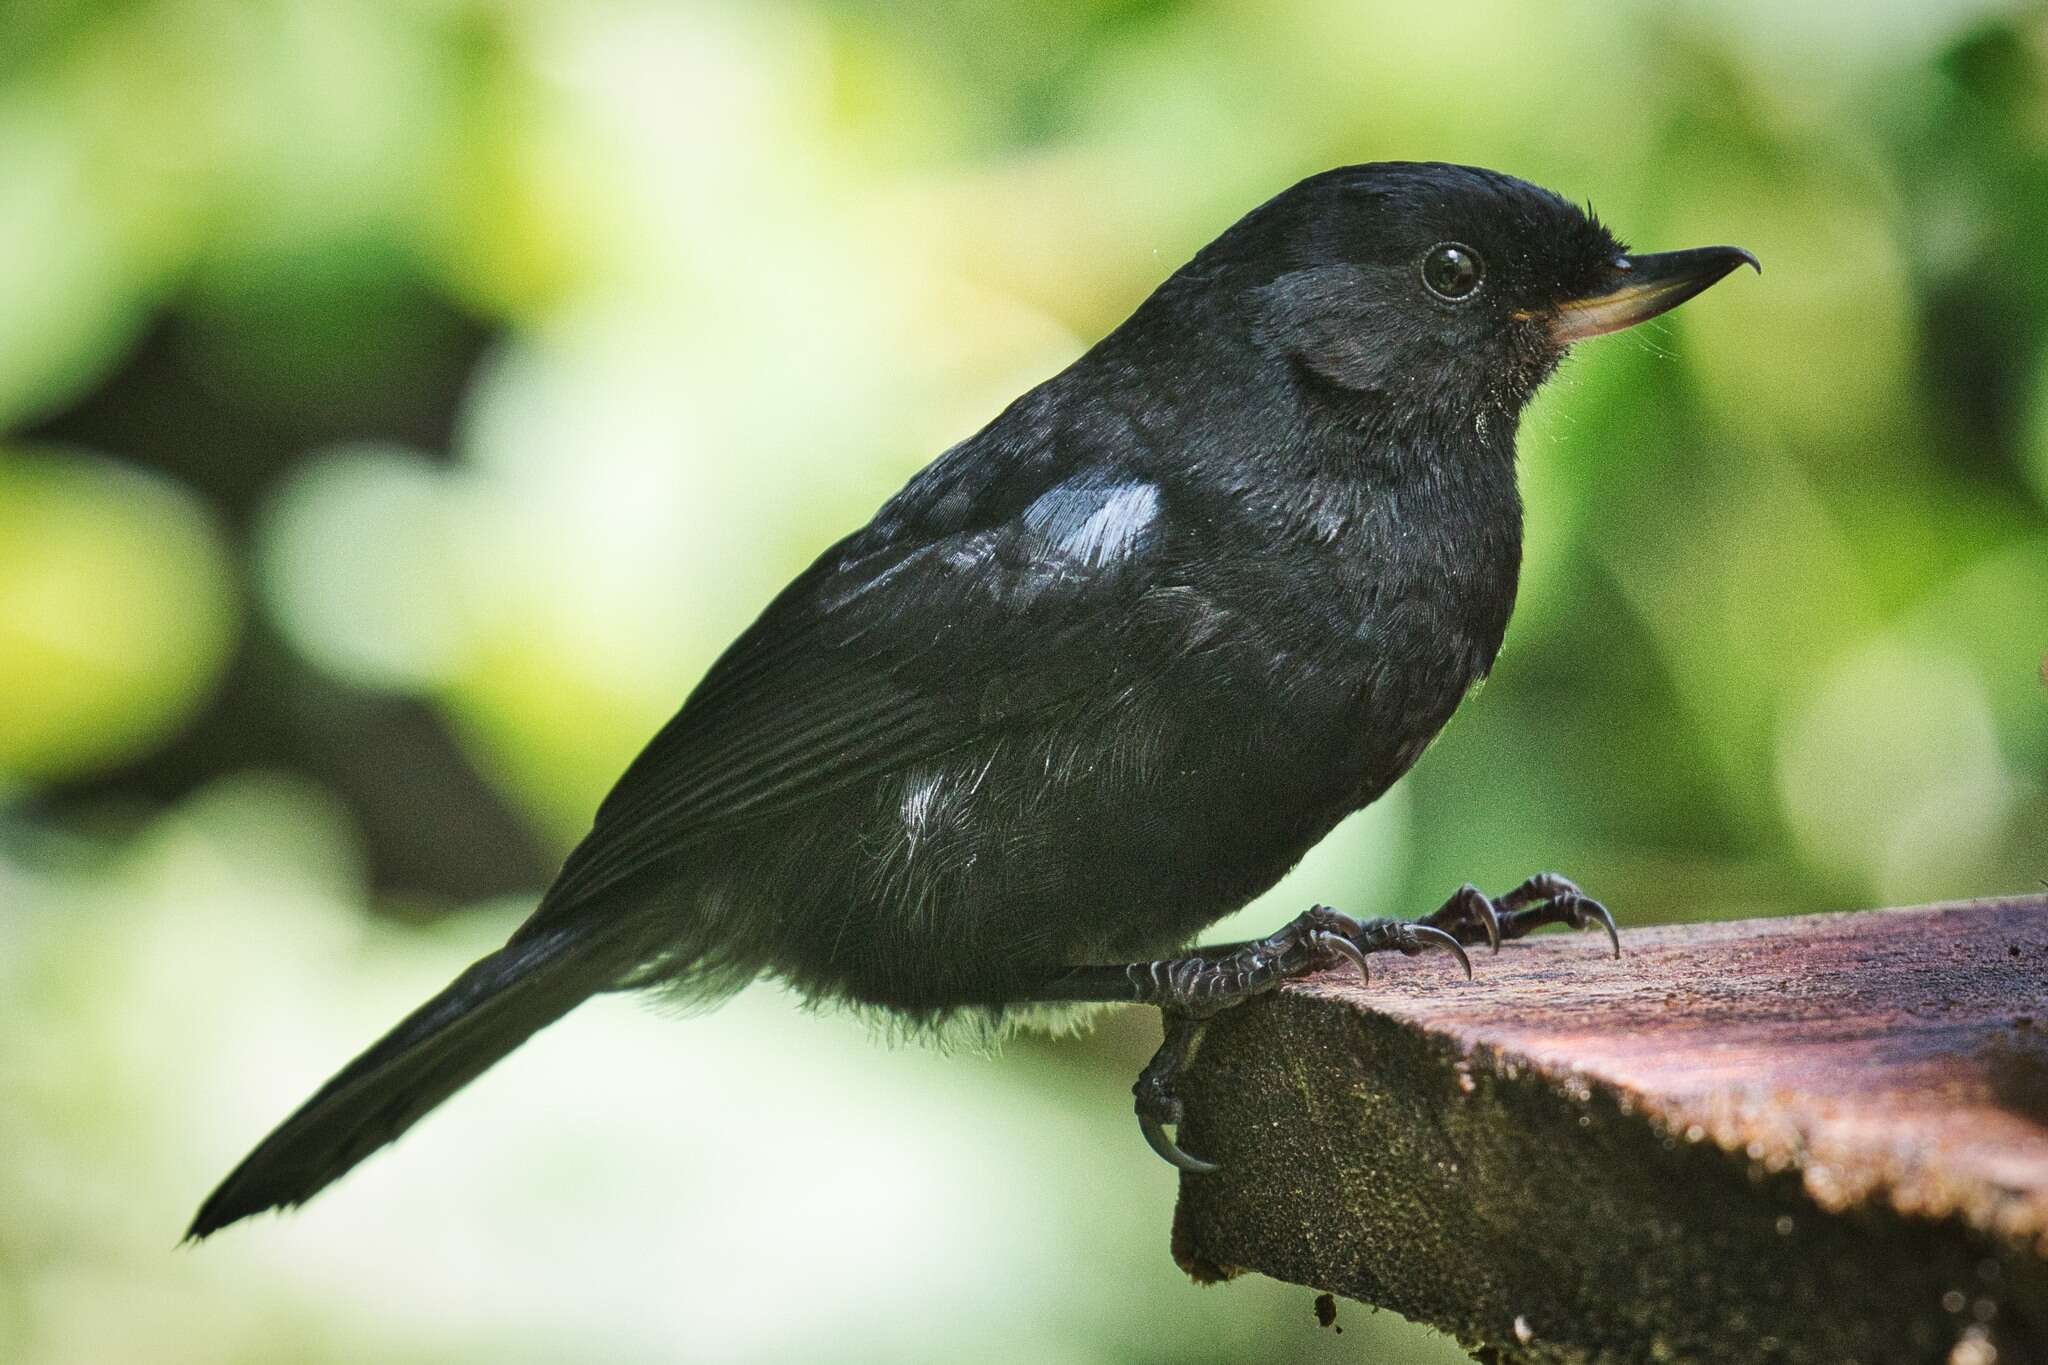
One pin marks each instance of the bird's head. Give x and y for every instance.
(1440, 289)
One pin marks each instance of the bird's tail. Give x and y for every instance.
(500, 1002)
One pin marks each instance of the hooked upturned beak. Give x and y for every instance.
(1644, 286)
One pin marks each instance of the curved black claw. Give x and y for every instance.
(1549, 898)
(1481, 908)
(1157, 1105)
(1468, 909)
(1155, 1135)
(1585, 908)
(1434, 937)
(1329, 940)
(1332, 933)
(1545, 898)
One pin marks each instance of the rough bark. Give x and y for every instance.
(1821, 1139)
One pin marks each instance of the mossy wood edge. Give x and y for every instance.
(1817, 1139)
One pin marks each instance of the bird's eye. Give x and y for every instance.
(1452, 271)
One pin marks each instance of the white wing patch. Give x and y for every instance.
(920, 810)
(1094, 523)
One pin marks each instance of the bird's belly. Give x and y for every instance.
(970, 884)
(1114, 835)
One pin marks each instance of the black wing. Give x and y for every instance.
(896, 647)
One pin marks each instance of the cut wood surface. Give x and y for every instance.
(1817, 1139)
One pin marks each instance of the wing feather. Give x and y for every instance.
(862, 667)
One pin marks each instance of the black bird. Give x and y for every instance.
(1098, 675)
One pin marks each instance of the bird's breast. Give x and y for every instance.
(1426, 587)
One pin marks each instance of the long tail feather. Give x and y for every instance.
(489, 1010)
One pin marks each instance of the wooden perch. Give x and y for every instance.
(1821, 1139)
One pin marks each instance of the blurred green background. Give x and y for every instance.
(405, 399)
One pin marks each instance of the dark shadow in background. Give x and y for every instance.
(223, 395)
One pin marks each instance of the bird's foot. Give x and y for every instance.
(1191, 990)
(1211, 980)
(1157, 1104)
(1471, 916)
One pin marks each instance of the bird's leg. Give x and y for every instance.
(1471, 916)
(1191, 990)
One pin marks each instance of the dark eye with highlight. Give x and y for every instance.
(1453, 271)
